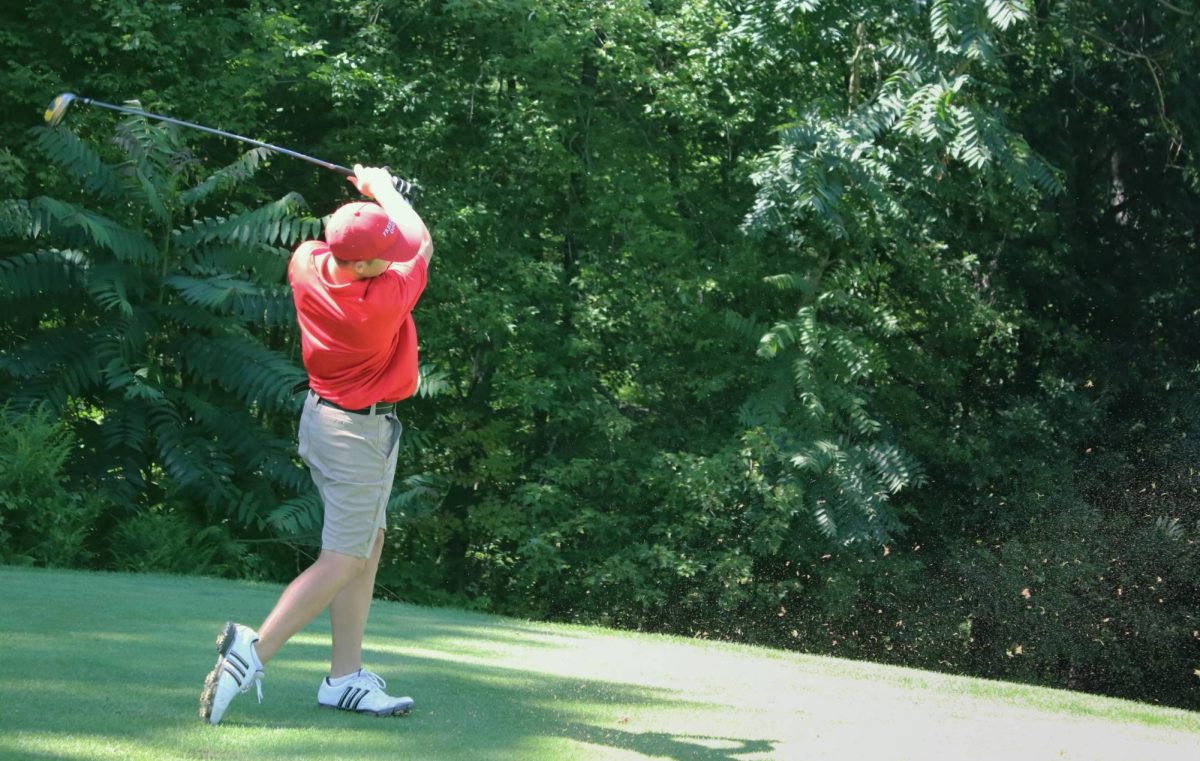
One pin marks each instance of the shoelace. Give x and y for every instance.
(372, 677)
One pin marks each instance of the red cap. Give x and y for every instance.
(359, 231)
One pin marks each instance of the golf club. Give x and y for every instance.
(58, 108)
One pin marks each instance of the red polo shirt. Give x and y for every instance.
(358, 339)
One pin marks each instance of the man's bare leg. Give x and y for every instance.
(348, 615)
(304, 599)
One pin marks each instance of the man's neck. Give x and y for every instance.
(339, 275)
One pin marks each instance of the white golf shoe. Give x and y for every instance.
(362, 693)
(237, 666)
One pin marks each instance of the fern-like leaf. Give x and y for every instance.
(748, 328)
(793, 281)
(968, 145)
(415, 496)
(246, 368)
(38, 274)
(275, 222)
(216, 293)
(108, 284)
(262, 262)
(299, 515)
(53, 367)
(271, 306)
(1005, 13)
(113, 354)
(939, 20)
(127, 245)
(431, 381)
(192, 462)
(77, 157)
(227, 178)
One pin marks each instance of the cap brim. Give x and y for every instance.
(402, 251)
(406, 245)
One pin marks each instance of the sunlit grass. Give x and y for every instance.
(108, 666)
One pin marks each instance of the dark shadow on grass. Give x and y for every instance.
(667, 745)
(87, 630)
(503, 707)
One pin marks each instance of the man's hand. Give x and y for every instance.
(377, 183)
(374, 182)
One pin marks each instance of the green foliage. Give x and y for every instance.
(150, 326)
(844, 201)
(1094, 601)
(164, 542)
(43, 520)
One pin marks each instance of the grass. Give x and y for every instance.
(109, 666)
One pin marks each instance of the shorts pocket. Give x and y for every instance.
(395, 430)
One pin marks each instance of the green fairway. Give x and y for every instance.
(105, 666)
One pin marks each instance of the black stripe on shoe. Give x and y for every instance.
(359, 699)
(241, 660)
(346, 696)
(240, 671)
(231, 669)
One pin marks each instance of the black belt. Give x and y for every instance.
(378, 408)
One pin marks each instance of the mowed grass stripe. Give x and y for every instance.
(109, 666)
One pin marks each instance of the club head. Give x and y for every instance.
(58, 107)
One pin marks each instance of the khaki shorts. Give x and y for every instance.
(352, 459)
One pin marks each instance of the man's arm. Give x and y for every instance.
(376, 183)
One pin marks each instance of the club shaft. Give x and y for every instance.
(124, 109)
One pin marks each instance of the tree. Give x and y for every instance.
(151, 313)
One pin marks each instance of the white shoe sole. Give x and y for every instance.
(401, 710)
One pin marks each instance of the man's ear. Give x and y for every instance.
(358, 266)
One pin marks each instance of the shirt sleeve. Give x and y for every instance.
(409, 285)
(301, 257)
(291, 269)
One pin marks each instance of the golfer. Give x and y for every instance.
(354, 296)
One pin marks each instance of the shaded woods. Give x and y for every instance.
(862, 328)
